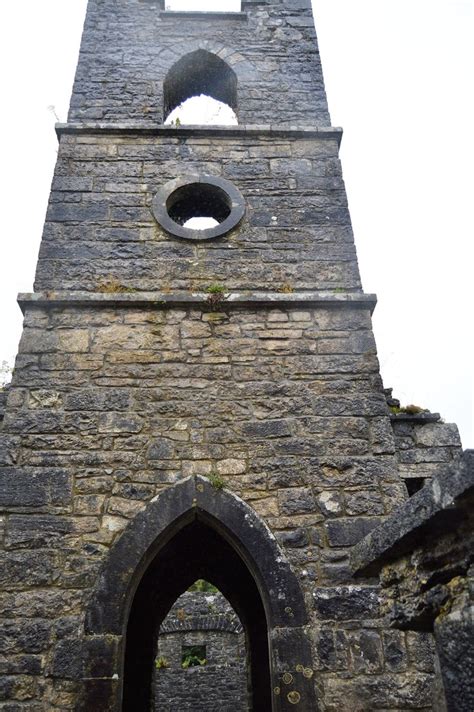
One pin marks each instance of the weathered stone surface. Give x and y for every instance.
(206, 620)
(130, 379)
(28, 487)
(347, 532)
(424, 552)
(438, 500)
(347, 603)
(32, 531)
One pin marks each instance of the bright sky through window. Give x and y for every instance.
(204, 5)
(202, 110)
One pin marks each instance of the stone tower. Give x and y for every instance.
(198, 403)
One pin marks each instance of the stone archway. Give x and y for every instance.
(154, 560)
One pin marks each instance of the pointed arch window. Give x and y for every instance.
(206, 80)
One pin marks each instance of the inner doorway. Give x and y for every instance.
(201, 656)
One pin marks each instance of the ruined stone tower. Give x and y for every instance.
(198, 403)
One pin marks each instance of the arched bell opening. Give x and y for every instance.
(200, 89)
(196, 551)
(193, 530)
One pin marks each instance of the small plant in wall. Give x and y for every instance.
(216, 293)
(216, 481)
(408, 409)
(193, 656)
(161, 663)
(111, 285)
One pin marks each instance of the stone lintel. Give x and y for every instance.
(147, 129)
(156, 300)
(433, 508)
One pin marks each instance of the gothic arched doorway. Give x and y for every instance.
(194, 531)
(196, 551)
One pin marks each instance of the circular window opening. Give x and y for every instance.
(198, 200)
(198, 208)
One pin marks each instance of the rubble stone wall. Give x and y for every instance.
(139, 44)
(100, 231)
(108, 407)
(220, 685)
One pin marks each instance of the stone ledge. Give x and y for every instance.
(416, 418)
(151, 129)
(408, 524)
(202, 15)
(163, 300)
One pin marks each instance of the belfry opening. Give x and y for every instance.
(200, 88)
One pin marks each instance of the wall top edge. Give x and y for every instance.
(161, 299)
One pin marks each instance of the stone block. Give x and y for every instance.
(74, 340)
(438, 435)
(344, 603)
(120, 423)
(293, 539)
(67, 662)
(347, 532)
(366, 652)
(34, 487)
(395, 651)
(28, 568)
(32, 531)
(296, 500)
(24, 636)
(332, 650)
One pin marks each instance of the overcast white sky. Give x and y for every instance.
(399, 80)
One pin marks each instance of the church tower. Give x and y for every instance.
(194, 403)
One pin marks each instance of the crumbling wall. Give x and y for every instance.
(426, 446)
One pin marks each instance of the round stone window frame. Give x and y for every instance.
(234, 199)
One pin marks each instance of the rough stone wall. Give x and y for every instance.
(139, 44)
(117, 396)
(109, 406)
(296, 233)
(220, 684)
(424, 553)
(426, 447)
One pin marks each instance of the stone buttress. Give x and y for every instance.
(246, 358)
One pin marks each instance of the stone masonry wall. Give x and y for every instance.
(139, 44)
(296, 233)
(109, 406)
(221, 684)
(424, 554)
(426, 447)
(128, 381)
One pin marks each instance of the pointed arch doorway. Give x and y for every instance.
(194, 531)
(196, 551)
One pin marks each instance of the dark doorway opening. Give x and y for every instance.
(196, 551)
